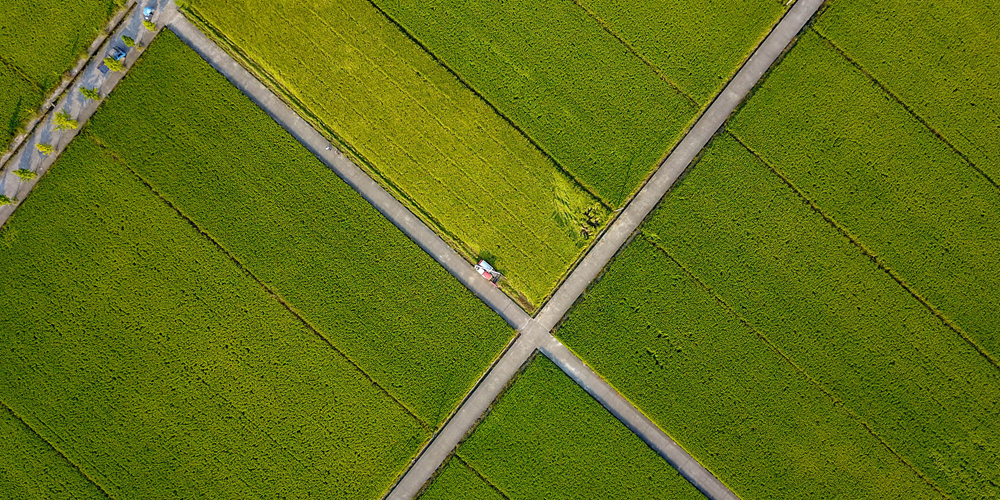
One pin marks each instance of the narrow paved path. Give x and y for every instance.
(26, 156)
(370, 190)
(535, 334)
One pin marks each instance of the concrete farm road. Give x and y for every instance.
(535, 335)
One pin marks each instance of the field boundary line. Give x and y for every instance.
(872, 256)
(600, 22)
(496, 110)
(239, 264)
(20, 72)
(57, 450)
(637, 422)
(481, 476)
(905, 106)
(833, 398)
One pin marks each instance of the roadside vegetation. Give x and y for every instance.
(39, 42)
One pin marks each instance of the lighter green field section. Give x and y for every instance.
(39, 41)
(874, 169)
(436, 144)
(31, 468)
(140, 350)
(573, 87)
(941, 58)
(697, 45)
(845, 323)
(298, 228)
(457, 481)
(547, 438)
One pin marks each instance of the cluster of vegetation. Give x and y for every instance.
(866, 163)
(569, 84)
(697, 47)
(114, 64)
(814, 295)
(25, 174)
(557, 442)
(93, 94)
(45, 148)
(39, 42)
(64, 121)
(184, 376)
(710, 381)
(434, 142)
(940, 58)
(298, 227)
(31, 468)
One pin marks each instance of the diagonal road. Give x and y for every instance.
(535, 335)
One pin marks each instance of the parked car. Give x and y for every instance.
(116, 53)
(147, 14)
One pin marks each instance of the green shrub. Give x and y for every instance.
(45, 149)
(25, 174)
(129, 41)
(114, 65)
(63, 121)
(92, 94)
(149, 25)
(4, 200)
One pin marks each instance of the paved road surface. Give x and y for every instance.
(535, 334)
(27, 156)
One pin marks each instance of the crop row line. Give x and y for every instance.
(496, 110)
(908, 109)
(20, 72)
(600, 22)
(833, 398)
(57, 450)
(263, 285)
(481, 476)
(875, 259)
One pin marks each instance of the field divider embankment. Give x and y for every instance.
(481, 476)
(535, 333)
(267, 288)
(607, 29)
(26, 156)
(496, 110)
(66, 82)
(816, 383)
(56, 449)
(907, 107)
(872, 256)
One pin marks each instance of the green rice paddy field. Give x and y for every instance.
(547, 438)
(217, 313)
(39, 41)
(513, 133)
